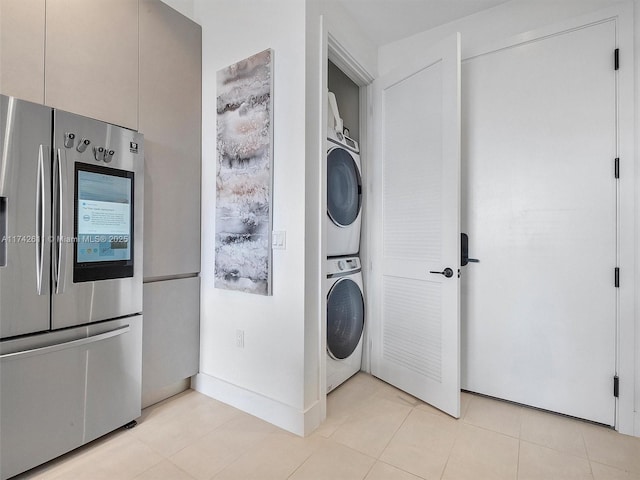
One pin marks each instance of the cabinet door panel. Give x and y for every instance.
(22, 49)
(170, 118)
(92, 59)
(171, 344)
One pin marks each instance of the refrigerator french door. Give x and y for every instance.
(25, 217)
(97, 221)
(71, 196)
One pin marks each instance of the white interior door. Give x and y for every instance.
(415, 341)
(539, 205)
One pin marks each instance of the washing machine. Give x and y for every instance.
(344, 195)
(345, 319)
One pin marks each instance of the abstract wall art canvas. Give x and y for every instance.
(244, 175)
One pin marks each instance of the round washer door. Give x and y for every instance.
(344, 187)
(345, 318)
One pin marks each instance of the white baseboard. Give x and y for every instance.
(279, 414)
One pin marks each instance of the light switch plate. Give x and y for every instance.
(279, 240)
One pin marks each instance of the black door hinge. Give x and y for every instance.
(617, 168)
(616, 386)
(616, 59)
(617, 277)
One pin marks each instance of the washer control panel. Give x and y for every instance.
(342, 265)
(344, 140)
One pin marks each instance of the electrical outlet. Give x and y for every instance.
(240, 338)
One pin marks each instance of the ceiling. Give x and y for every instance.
(385, 21)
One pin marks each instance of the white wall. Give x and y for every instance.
(516, 17)
(278, 374)
(266, 377)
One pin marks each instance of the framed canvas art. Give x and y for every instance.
(244, 175)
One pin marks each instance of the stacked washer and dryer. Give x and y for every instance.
(345, 298)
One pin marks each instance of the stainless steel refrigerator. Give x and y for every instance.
(71, 198)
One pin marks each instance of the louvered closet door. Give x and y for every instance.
(416, 343)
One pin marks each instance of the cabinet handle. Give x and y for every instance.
(60, 247)
(40, 220)
(63, 346)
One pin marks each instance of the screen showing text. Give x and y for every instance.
(104, 217)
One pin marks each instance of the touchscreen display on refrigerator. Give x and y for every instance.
(104, 223)
(104, 217)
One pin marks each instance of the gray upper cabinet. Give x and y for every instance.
(22, 49)
(91, 63)
(170, 118)
(134, 63)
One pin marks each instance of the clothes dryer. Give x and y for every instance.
(345, 319)
(344, 195)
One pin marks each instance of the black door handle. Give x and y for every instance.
(464, 253)
(447, 272)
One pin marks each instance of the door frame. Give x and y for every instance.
(626, 420)
(332, 47)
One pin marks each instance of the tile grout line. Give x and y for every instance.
(327, 439)
(460, 420)
(370, 468)
(590, 460)
(574, 456)
(163, 458)
(181, 469)
(376, 459)
(584, 444)
(303, 462)
(486, 429)
(453, 445)
(377, 395)
(518, 462)
(404, 420)
(586, 451)
(196, 439)
(248, 452)
(459, 424)
(402, 470)
(299, 466)
(522, 414)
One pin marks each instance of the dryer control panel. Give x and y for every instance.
(342, 265)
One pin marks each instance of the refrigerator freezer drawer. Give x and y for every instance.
(55, 397)
(114, 379)
(41, 407)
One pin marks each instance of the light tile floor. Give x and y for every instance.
(373, 431)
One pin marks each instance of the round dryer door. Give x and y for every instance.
(344, 188)
(345, 318)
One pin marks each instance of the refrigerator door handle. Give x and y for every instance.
(41, 198)
(59, 250)
(71, 344)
